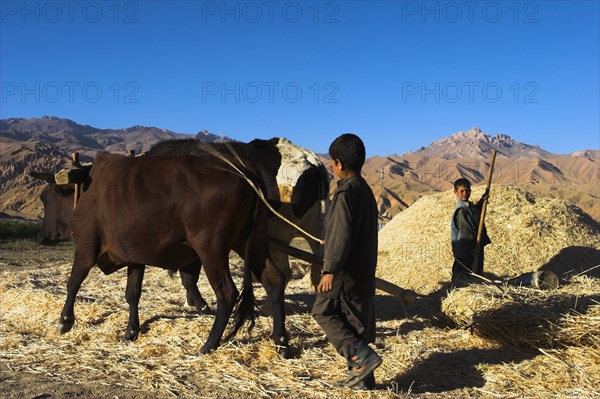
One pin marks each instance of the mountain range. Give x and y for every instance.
(573, 177)
(28, 144)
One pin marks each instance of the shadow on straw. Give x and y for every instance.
(574, 260)
(447, 371)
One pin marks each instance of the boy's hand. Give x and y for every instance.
(485, 196)
(326, 284)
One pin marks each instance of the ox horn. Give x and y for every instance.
(48, 177)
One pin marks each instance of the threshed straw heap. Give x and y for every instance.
(525, 318)
(529, 233)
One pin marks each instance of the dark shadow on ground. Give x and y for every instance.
(447, 371)
(387, 307)
(574, 260)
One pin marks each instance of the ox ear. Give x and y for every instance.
(48, 177)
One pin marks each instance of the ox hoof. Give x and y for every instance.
(204, 309)
(201, 307)
(131, 335)
(283, 349)
(206, 349)
(65, 327)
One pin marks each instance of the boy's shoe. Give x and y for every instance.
(366, 360)
(345, 381)
(368, 384)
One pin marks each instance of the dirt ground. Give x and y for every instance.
(424, 356)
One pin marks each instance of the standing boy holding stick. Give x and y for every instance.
(463, 232)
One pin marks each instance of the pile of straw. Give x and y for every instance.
(528, 233)
(528, 318)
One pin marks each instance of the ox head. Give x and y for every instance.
(58, 206)
(58, 212)
(302, 179)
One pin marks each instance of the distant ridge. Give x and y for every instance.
(475, 143)
(573, 177)
(45, 143)
(207, 137)
(86, 139)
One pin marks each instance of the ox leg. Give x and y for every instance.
(216, 268)
(133, 292)
(189, 278)
(274, 281)
(315, 268)
(80, 270)
(282, 263)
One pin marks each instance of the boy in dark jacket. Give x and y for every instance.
(344, 303)
(463, 233)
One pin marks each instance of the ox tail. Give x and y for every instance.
(245, 308)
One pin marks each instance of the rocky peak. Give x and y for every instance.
(207, 137)
(589, 154)
(475, 143)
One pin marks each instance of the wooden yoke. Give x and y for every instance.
(77, 193)
(482, 216)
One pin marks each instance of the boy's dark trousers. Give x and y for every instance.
(340, 320)
(459, 269)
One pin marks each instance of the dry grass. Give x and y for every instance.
(165, 359)
(422, 357)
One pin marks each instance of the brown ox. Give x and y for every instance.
(296, 185)
(56, 226)
(169, 211)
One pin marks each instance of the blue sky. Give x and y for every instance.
(401, 74)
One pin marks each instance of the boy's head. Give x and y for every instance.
(349, 150)
(462, 189)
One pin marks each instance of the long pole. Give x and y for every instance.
(75, 158)
(482, 217)
(383, 285)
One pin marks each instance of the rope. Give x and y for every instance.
(472, 273)
(208, 148)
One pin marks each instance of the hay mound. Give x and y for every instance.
(528, 233)
(528, 318)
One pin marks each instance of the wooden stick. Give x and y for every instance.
(392, 289)
(75, 158)
(482, 216)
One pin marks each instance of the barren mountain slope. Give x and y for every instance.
(45, 143)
